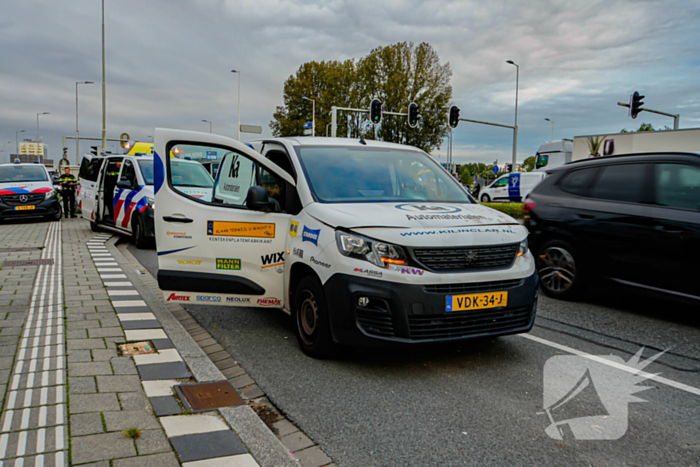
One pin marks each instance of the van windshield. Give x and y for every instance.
(369, 174)
(22, 173)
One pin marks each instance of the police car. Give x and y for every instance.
(116, 193)
(26, 190)
(362, 242)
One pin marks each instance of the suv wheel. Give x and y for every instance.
(310, 315)
(485, 199)
(559, 268)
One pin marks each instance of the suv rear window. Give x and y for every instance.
(577, 181)
(623, 182)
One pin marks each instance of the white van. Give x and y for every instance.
(362, 242)
(511, 187)
(26, 190)
(116, 193)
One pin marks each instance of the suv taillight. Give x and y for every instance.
(528, 206)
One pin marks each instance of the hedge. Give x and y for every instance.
(512, 209)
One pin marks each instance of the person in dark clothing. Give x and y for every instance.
(68, 184)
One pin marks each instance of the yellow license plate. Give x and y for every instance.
(476, 301)
(24, 208)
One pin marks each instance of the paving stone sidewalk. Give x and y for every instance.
(68, 397)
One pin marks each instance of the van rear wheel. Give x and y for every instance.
(310, 314)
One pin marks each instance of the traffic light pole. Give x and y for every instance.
(88, 139)
(334, 116)
(676, 117)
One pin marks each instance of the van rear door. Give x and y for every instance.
(87, 180)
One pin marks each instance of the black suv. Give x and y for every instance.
(632, 219)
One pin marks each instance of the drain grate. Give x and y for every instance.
(137, 348)
(13, 250)
(207, 396)
(27, 262)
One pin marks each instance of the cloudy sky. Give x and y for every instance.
(169, 63)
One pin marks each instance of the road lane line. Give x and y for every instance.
(619, 366)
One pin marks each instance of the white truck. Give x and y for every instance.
(640, 142)
(554, 153)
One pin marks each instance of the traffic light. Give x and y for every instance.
(413, 114)
(375, 111)
(636, 104)
(507, 166)
(454, 116)
(95, 150)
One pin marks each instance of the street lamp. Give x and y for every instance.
(207, 121)
(550, 120)
(104, 85)
(17, 139)
(77, 133)
(238, 72)
(313, 116)
(515, 129)
(37, 124)
(4, 149)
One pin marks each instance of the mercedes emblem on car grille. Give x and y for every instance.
(23, 198)
(470, 256)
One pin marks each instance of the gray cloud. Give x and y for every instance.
(169, 62)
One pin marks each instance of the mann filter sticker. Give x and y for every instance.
(232, 264)
(240, 229)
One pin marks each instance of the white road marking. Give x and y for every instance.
(619, 366)
(136, 316)
(128, 303)
(145, 334)
(120, 293)
(165, 356)
(162, 387)
(118, 284)
(113, 276)
(179, 425)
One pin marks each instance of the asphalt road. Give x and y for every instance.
(481, 403)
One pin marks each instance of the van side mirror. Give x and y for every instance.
(257, 200)
(124, 184)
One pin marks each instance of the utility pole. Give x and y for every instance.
(77, 133)
(104, 84)
(515, 126)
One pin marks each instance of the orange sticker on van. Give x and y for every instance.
(240, 229)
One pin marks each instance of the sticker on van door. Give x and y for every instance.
(514, 186)
(240, 229)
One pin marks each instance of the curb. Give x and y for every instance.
(261, 442)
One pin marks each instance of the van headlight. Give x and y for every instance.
(378, 253)
(522, 249)
(50, 194)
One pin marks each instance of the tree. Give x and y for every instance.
(328, 83)
(644, 127)
(396, 74)
(529, 164)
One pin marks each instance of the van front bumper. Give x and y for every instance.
(50, 207)
(415, 313)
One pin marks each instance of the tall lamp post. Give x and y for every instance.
(77, 133)
(238, 72)
(207, 121)
(4, 150)
(104, 84)
(17, 139)
(515, 129)
(550, 120)
(313, 116)
(37, 124)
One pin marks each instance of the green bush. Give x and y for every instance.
(512, 209)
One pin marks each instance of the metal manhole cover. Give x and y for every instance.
(207, 396)
(13, 250)
(27, 262)
(136, 348)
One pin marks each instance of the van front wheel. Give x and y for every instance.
(310, 314)
(485, 198)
